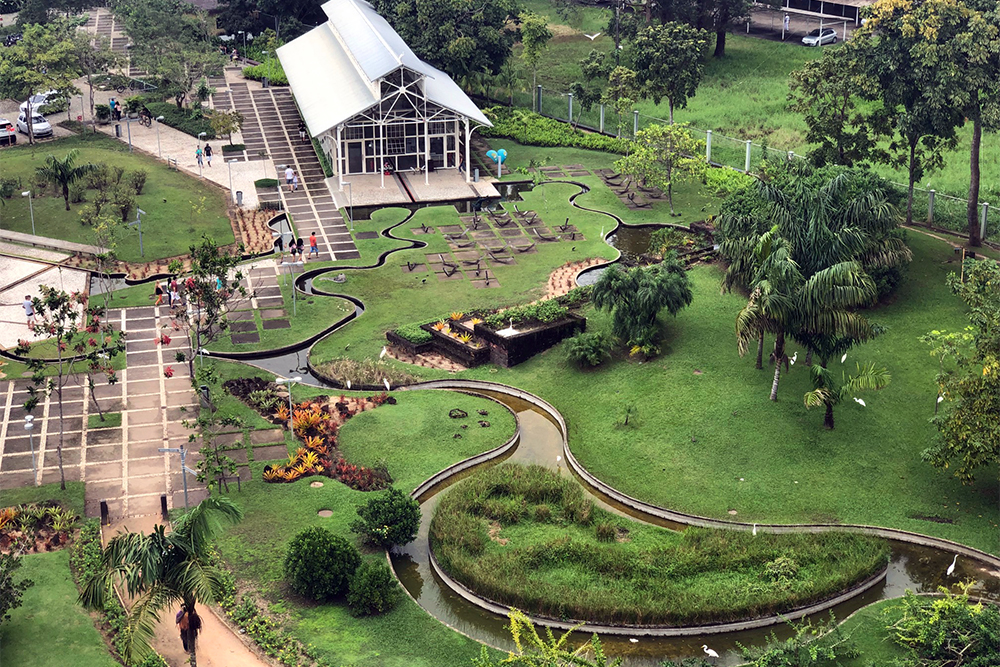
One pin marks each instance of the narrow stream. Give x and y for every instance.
(919, 569)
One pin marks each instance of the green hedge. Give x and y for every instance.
(321, 154)
(266, 183)
(526, 127)
(271, 68)
(414, 334)
(545, 312)
(233, 148)
(186, 120)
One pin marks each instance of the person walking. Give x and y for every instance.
(159, 294)
(313, 245)
(788, 20)
(289, 177)
(295, 182)
(29, 310)
(198, 155)
(208, 154)
(175, 297)
(302, 131)
(189, 624)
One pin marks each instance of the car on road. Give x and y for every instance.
(40, 100)
(39, 126)
(820, 36)
(7, 134)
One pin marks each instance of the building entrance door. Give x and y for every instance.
(354, 158)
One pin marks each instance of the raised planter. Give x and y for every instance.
(409, 346)
(508, 351)
(456, 350)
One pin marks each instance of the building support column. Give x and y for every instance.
(427, 151)
(340, 165)
(381, 151)
(468, 152)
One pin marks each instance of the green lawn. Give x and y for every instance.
(866, 628)
(71, 498)
(51, 626)
(415, 438)
(169, 197)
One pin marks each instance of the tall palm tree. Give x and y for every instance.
(160, 569)
(827, 393)
(63, 172)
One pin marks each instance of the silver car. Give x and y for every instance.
(820, 36)
(39, 126)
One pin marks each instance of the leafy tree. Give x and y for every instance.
(454, 35)
(11, 591)
(663, 155)
(319, 564)
(827, 392)
(509, 77)
(226, 123)
(214, 287)
(160, 569)
(668, 61)
(844, 129)
(64, 173)
(726, 15)
(95, 57)
(534, 650)
(387, 520)
(214, 465)
(621, 93)
(636, 296)
(535, 36)
(44, 59)
(969, 421)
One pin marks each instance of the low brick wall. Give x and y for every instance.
(409, 346)
(456, 350)
(508, 351)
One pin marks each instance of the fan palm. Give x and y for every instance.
(160, 569)
(64, 172)
(826, 393)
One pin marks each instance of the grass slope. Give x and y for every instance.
(169, 226)
(50, 626)
(71, 498)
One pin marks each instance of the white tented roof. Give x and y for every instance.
(334, 69)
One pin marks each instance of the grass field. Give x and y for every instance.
(71, 498)
(51, 626)
(415, 438)
(528, 538)
(169, 226)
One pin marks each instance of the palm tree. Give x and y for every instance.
(63, 172)
(160, 569)
(827, 394)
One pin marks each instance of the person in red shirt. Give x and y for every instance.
(313, 245)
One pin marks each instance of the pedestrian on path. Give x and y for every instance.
(29, 310)
(159, 294)
(198, 154)
(208, 154)
(313, 245)
(302, 131)
(175, 298)
(289, 177)
(788, 20)
(189, 624)
(299, 247)
(295, 182)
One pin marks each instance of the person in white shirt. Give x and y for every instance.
(289, 177)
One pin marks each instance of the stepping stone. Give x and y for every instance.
(366, 235)
(267, 436)
(511, 232)
(241, 315)
(579, 173)
(270, 453)
(273, 313)
(276, 324)
(350, 254)
(243, 327)
(245, 338)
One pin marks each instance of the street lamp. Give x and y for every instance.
(230, 163)
(138, 223)
(291, 269)
(201, 135)
(243, 32)
(350, 200)
(184, 469)
(159, 119)
(27, 193)
(29, 426)
(257, 11)
(289, 382)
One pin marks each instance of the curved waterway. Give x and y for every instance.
(920, 569)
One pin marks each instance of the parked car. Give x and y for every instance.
(40, 100)
(820, 36)
(39, 126)
(7, 134)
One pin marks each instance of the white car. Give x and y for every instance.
(820, 36)
(39, 126)
(41, 99)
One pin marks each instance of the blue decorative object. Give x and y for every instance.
(493, 155)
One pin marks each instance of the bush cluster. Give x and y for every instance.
(271, 68)
(388, 520)
(266, 183)
(546, 312)
(319, 564)
(589, 349)
(532, 129)
(188, 121)
(373, 589)
(414, 334)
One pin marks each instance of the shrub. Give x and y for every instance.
(137, 180)
(9, 185)
(102, 111)
(77, 193)
(389, 519)
(589, 349)
(233, 148)
(373, 589)
(526, 127)
(723, 182)
(319, 564)
(545, 312)
(414, 334)
(365, 372)
(324, 160)
(100, 177)
(271, 68)
(605, 531)
(266, 183)
(576, 297)
(186, 120)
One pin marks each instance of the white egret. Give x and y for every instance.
(634, 640)
(951, 568)
(860, 401)
(383, 352)
(386, 383)
(755, 530)
(348, 384)
(940, 398)
(592, 37)
(558, 459)
(709, 652)
(794, 357)
(843, 358)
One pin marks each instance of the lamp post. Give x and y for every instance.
(291, 269)
(243, 32)
(201, 135)
(159, 119)
(128, 126)
(289, 382)
(184, 469)
(138, 223)
(31, 209)
(275, 21)
(29, 426)
(232, 194)
(350, 203)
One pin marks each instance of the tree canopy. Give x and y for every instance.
(667, 59)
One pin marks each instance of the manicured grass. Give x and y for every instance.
(111, 420)
(169, 227)
(71, 498)
(51, 626)
(415, 438)
(866, 628)
(526, 537)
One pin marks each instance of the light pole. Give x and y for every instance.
(128, 126)
(83, 111)
(138, 223)
(291, 269)
(31, 209)
(159, 119)
(230, 163)
(29, 426)
(243, 32)
(350, 203)
(201, 135)
(184, 469)
(289, 382)
(275, 21)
